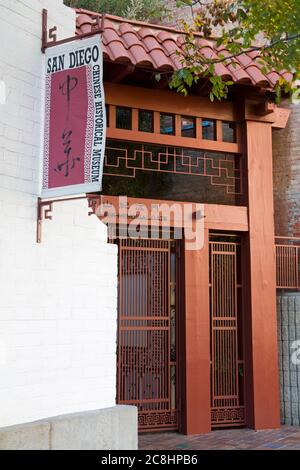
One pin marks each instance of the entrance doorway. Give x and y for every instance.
(147, 354)
(149, 345)
(226, 329)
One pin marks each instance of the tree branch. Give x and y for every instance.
(232, 56)
(252, 49)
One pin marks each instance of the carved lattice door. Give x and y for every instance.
(147, 358)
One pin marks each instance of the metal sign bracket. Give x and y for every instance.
(49, 36)
(45, 207)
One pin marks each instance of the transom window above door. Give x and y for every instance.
(192, 129)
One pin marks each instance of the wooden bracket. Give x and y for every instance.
(49, 36)
(265, 108)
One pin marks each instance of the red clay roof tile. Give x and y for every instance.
(130, 39)
(126, 28)
(118, 52)
(146, 32)
(239, 75)
(288, 76)
(110, 35)
(244, 59)
(273, 77)
(83, 19)
(169, 46)
(257, 77)
(140, 55)
(151, 44)
(160, 60)
(155, 46)
(163, 36)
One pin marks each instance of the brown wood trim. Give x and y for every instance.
(247, 331)
(219, 131)
(161, 139)
(278, 117)
(198, 128)
(177, 126)
(156, 123)
(168, 101)
(217, 217)
(112, 116)
(281, 118)
(135, 120)
(221, 217)
(171, 102)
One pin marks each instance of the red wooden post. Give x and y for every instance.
(197, 337)
(262, 295)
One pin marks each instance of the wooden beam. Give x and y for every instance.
(217, 217)
(196, 106)
(172, 140)
(221, 217)
(168, 101)
(281, 118)
(262, 112)
(265, 108)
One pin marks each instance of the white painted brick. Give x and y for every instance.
(12, 133)
(17, 171)
(16, 122)
(58, 303)
(30, 138)
(12, 158)
(18, 146)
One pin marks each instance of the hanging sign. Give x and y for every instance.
(74, 119)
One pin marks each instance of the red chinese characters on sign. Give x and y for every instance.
(68, 122)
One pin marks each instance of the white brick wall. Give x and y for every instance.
(57, 299)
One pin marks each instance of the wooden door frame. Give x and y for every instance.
(194, 392)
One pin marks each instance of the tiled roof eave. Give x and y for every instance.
(154, 47)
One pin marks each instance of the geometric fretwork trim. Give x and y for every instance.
(228, 416)
(125, 158)
(166, 419)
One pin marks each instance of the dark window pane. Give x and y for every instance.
(208, 129)
(167, 124)
(187, 126)
(123, 118)
(145, 121)
(228, 131)
(107, 114)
